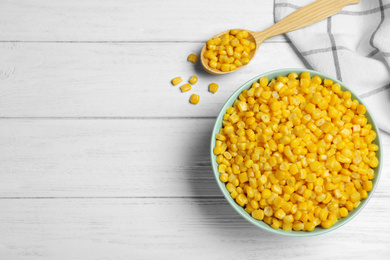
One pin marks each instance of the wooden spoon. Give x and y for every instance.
(303, 17)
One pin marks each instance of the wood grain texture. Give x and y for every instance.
(109, 158)
(114, 158)
(118, 79)
(193, 228)
(135, 20)
(102, 158)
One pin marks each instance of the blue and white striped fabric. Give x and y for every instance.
(353, 46)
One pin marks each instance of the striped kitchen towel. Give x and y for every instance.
(353, 46)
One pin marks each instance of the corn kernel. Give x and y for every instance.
(224, 177)
(336, 88)
(326, 224)
(305, 75)
(241, 199)
(263, 81)
(176, 81)
(374, 162)
(315, 166)
(278, 202)
(355, 197)
(311, 177)
(367, 185)
(323, 214)
(275, 223)
(193, 58)
(213, 87)
(333, 206)
(245, 61)
(298, 226)
(268, 211)
(266, 193)
(316, 80)
(258, 214)
(185, 87)
(361, 109)
(194, 99)
(280, 214)
(309, 226)
(193, 80)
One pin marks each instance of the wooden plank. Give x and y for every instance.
(114, 158)
(137, 158)
(118, 79)
(136, 20)
(151, 228)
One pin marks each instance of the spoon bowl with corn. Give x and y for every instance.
(233, 49)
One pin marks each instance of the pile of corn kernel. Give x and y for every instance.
(229, 51)
(296, 152)
(194, 99)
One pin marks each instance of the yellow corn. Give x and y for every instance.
(193, 80)
(311, 177)
(315, 166)
(316, 80)
(286, 148)
(326, 224)
(224, 177)
(343, 212)
(258, 214)
(280, 214)
(309, 226)
(278, 202)
(263, 81)
(185, 87)
(176, 81)
(275, 223)
(192, 58)
(229, 51)
(268, 211)
(305, 75)
(361, 109)
(298, 226)
(213, 87)
(336, 88)
(266, 193)
(241, 199)
(194, 99)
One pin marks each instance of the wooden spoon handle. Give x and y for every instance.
(303, 17)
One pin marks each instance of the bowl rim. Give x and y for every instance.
(259, 223)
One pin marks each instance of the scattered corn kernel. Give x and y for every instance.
(194, 99)
(176, 81)
(186, 87)
(193, 80)
(213, 87)
(296, 154)
(193, 58)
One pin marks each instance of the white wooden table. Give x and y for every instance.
(102, 158)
